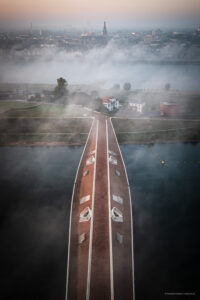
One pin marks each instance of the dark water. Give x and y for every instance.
(166, 206)
(35, 188)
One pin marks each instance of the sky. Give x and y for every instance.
(121, 12)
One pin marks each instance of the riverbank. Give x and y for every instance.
(44, 131)
(55, 132)
(45, 124)
(148, 131)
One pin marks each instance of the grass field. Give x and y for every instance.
(54, 131)
(156, 130)
(9, 106)
(31, 123)
(32, 109)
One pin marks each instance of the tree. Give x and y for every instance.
(94, 94)
(127, 86)
(61, 88)
(167, 86)
(96, 104)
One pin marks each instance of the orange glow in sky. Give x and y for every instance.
(78, 8)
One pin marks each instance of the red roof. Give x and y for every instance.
(107, 99)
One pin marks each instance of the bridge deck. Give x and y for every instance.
(100, 258)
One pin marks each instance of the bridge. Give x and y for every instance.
(100, 250)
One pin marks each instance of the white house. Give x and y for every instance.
(137, 106)
(110, 103)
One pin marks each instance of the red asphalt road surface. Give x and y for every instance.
(101, 267)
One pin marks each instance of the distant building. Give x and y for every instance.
(104, 30)
(148, 38)
(168, 109)
(137, 106)
(85, 34)
(47, 95)
(33, 96)
(110, 103)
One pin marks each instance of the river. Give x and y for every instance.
(36, 186)
(164, 182)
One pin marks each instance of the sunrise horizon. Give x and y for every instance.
(124, 14)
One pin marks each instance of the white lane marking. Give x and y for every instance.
(155, 119)
(92, 221)
(155, 131)
(110, 223)
(130, 210)
(71, 208)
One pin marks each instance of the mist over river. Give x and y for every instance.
(36, 185)
(184, 77)
(106, 66)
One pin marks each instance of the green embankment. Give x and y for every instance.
(140, 131)
(37, 109)
(26, 123)
(40, 131)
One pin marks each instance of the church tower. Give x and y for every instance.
(104, 30)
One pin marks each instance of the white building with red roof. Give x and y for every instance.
(110, 103)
